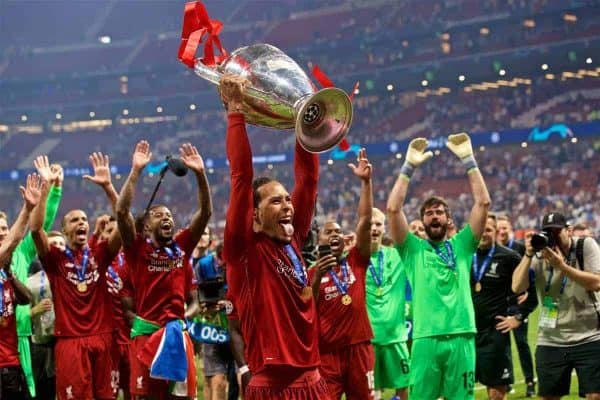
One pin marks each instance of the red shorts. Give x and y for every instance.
(349, 370)
(83, 367)
(140, 383)
(278, 384)
(120, 372)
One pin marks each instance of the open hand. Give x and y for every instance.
(364, 169)
(32, 192)
(460, 145)
(101, 166)
(43, 168)
(141, 155)
(191, 158)
(416, 154)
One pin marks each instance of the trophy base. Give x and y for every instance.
(323, 120)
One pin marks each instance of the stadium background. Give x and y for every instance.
(521, 76)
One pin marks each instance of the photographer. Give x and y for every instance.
(567, 281)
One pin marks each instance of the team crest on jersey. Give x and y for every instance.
(493, 272)
(228, 307)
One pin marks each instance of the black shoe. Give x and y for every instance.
(530, 392)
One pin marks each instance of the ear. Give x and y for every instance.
(256, 216)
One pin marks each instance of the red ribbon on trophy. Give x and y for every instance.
(325, 82)
(196, 25)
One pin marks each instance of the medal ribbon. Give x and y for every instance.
(341, 286)
(84, 262)
(42, 290)
(377, 275)
(167, 249)
(510, 243)
(449, 257)
(3, 279)
(478, 272)
(299, 271)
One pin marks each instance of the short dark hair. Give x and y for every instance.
(435, 201)
(257, 184)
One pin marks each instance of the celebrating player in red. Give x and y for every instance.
(264, 232)
(160, 274)
(345, 333)
(83, 326)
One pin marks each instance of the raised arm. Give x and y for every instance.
(31, 197)
(364, 172)
(238, 224)
(102, 177)
(125, 221)
(520, 277)
(304, 194)
(193, 160)
(460, 145)
(415, 156)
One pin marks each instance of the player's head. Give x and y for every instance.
(56, 239)
(331, 234)
(377, 228)
(4, 228)
(488, 238)
(159, 224)
(581, 230)
(417, 228)
(204, 241)
(75, 227)
(273, 209)
(504, 229)
(109, 228)
(435, 214)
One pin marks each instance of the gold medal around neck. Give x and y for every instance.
(478, 287)
(346, 300)
(81, 287)
(306, 293)
(379, 292)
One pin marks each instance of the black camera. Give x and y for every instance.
(541, 240)
(212, 290)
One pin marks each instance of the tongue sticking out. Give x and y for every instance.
(288, 228)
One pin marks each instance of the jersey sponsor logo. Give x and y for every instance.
(284, 269)
(164, 264)
(90, 277)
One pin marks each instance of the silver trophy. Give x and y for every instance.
(282, 96)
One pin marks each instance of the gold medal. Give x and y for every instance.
(81, 287)
(379, 292)
(346, 300)
(478, 287)
(306, 293)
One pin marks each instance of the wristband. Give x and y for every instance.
(469, 162)
(407, 170)
(243, 369)
(528, 256)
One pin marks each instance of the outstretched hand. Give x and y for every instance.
(101, 166)
(416, 154)
(191, 158)
(460, 145)
(32, 192)
(141, 155)
(43, 169)
(364, 169)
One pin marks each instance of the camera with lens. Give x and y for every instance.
(210, 273)
(543, 239)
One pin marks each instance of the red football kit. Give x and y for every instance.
(160, 280)
(345, 334)
(9, 351)
(279, 325)
(83, 325)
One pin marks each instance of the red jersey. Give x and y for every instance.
(79, 313)
(9, 351)
(160, 281)
(122, 329)
(279, 327)
(341, 325)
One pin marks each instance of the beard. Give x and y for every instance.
(437, 235)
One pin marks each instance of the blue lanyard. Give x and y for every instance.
(113, 274)
(510, 243)
(299, 271)
(84, 262)
(449, 259)
(167, 249)
(549, 281)
(479, 271)
(377, 275)
(341, 286)
(3, 279)
(42, 275)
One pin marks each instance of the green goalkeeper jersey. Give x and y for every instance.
(385, 301)
(441, 294)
